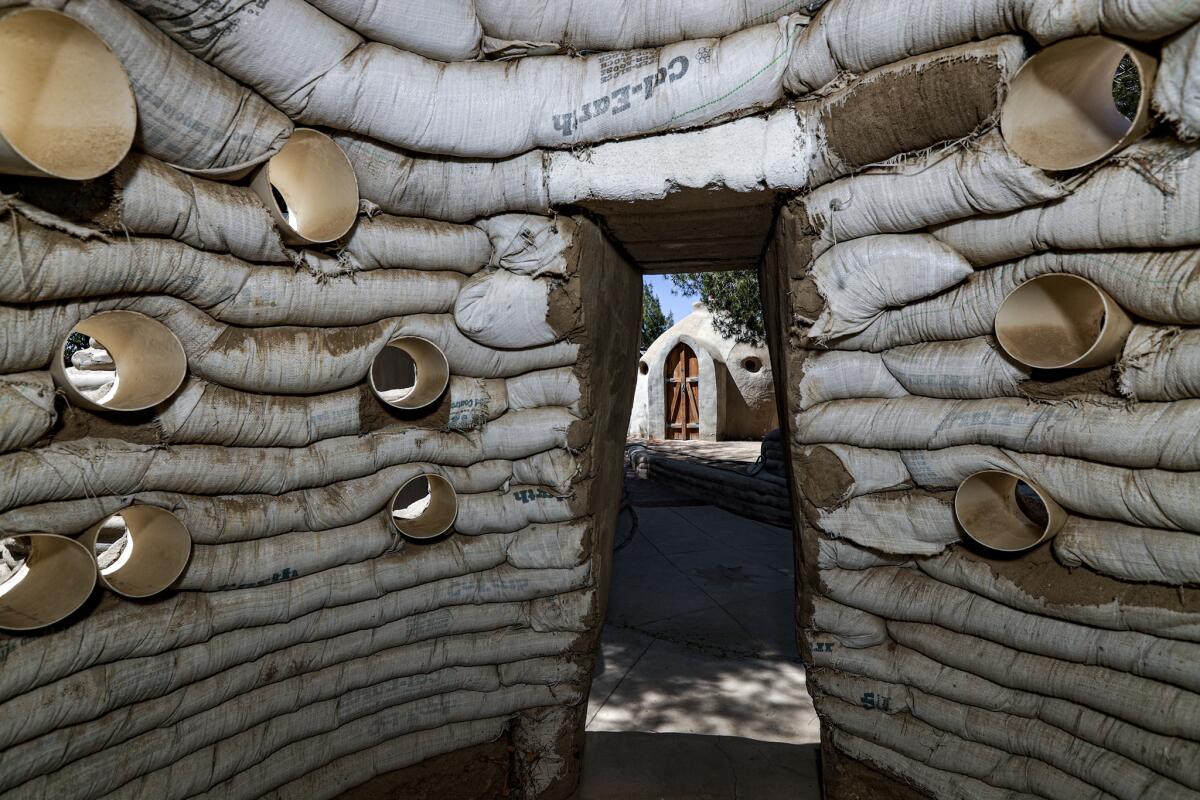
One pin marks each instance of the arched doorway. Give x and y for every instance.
(682, 393)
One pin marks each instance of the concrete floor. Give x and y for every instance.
(697, 450)
(699, 692)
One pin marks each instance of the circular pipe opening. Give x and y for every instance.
(752, 364)
(44, 578)
(409, 373)
(1078, 101)
(310, 189)
(1005, 512)
(66, 109)
(139, 551)
(1057, 321)
(136, 362)
(424, 507)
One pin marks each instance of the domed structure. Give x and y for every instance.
(693, 383)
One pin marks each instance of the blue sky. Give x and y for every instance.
(675, 304)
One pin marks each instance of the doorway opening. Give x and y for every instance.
(698, 659)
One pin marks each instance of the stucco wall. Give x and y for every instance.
(737, 398)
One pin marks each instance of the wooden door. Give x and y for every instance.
(682, 393)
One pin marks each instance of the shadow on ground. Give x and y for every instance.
(699, 691)
(682, 766)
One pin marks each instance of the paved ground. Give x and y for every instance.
(734, 453)
(682, 766)
(699, 692)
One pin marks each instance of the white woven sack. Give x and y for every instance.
(1177, 84)
(1040, 748)
(1147, 435)
(26, 408)
(896, 664)
(1150, 283)
(283, 360)
(1151, 705)
(512, 509)
(189, 115)
(217, 519)
(501, 309)
(971, 368)
(473, 571)
(905, 594)
(978, 176)
(51, 265)
(383, 241)
(447, 30)
(1161, 364)
(853, 36)
(405, 673)
(904, 524)
(479, 109)
(345, 773)
(77, 469)
(618, 25)
(913, 737)
(863, 277)
(1159, 177)
(937, 783)
(1132, 554)
(64, 744)
(1153, 498)
(435, 187)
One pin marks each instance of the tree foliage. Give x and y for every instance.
(76, 341)
(734, 300)
(1127, 88)
(654, 321)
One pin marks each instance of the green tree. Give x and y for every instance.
(1127, 88)
(75, 341)
(733, 299)
(654, 321)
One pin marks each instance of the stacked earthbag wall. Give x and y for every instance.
(307, 645)
(941, 667)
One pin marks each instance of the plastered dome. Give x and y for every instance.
(693, 383)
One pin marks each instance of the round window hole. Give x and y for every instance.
(1078, 101)
(424, 507)
(1005, 512)
(140, 550)
(1058, 321)
(409, 373)
(68, 109)
(120, 361)
(752, 364)
(310, 189)
(44, 578)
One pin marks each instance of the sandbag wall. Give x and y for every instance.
(939, 667)
(307, 646)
